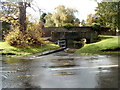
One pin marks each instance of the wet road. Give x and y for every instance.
(61, 70)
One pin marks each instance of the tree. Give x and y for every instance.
(9, 9)
(8, 16)
(42, 17)
(91, 18)
(15, 11)
(49, 21)
(64, 15)
(108, 14)
(83, 23)
(23, 35)
(9, 13)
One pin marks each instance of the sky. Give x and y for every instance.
(84, 7)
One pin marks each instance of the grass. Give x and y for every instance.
(17, 51)
(106, 45)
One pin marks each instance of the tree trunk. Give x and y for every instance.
(119, 15)
(22, 16)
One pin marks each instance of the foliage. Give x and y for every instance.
(110, 43)
(83, 23)
(21, 34)
(62, 16)
(68, 25)
(107, 13)
(9, 9)
(42, 19)
(14, 13)
(9, 13)
(7, 21)
(31, 36)
(91, 18)
(96, 26)
(5, 26)
(49, 21)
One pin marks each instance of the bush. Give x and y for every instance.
(96, 26)
(68, 25)
(29, 37)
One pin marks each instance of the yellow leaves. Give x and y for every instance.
(3, 18)
(10, 19)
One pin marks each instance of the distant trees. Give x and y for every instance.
(108, 14)
(49, 20)
(91, 18)
(42, 19)
(61, 17)
(83, 23)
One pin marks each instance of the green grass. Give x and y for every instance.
(106, 45)
(17, 51)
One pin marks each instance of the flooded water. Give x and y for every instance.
(61, 70)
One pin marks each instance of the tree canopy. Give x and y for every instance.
(107, 14)
(91, 18)
(62, 16)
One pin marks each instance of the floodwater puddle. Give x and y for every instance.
(61, 70)
(63, 66)
(64, 73)
(63, 63)
(26, 75)
(91, 58)
(60, 59)
(78, 68)
(61, 54)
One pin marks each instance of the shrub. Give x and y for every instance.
(68, 25)
(96, 26)
(29, 37)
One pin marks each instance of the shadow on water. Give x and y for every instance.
(63, 63)
(61, 54)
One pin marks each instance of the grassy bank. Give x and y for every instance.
(11, 51)
(106, 45)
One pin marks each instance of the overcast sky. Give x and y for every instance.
(84, 7)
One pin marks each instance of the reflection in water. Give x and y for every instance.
(61, 70)
(17, 68)
(110, 78)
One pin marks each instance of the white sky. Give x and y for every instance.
(84, 7)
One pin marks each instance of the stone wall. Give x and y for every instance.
(72, 33)
(48, 30)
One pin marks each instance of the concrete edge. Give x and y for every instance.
(43, 53)
(51, 51)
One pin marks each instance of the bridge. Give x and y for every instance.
(66, 36)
